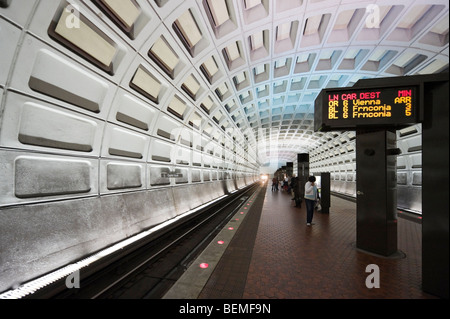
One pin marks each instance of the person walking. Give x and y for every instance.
(310, 199)
(274, 184)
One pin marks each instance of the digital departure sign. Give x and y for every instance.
(347, 108)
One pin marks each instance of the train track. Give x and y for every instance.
(148, 268)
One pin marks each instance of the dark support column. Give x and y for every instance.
(289, 169)
(435, 192)
(325, 186)
(302, 171)
(376, 185)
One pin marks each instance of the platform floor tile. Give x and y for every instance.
(276, 255)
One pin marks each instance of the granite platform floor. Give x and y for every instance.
(275, 255)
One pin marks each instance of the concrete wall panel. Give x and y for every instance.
(49, 235)
(30, 177)
(36, 125)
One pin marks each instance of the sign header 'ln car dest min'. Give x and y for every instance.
(353, 108)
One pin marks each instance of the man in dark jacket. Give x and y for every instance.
(295, 187)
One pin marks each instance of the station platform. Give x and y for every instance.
(273, 254)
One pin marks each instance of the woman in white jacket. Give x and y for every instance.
(310, 199)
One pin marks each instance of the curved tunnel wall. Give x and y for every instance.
(338, 157)
(97, 147)
(105, 117)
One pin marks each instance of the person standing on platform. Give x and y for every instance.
(274, 184)
(295, 188)
(286, 183)
(310, 199)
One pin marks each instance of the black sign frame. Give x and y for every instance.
(360, 95)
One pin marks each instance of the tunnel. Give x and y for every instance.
(120, 116)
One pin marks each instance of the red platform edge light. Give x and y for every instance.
(400, 212)
(221, 242)
(230, 228)
(204, 265)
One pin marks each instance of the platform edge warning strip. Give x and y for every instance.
(193, 281)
